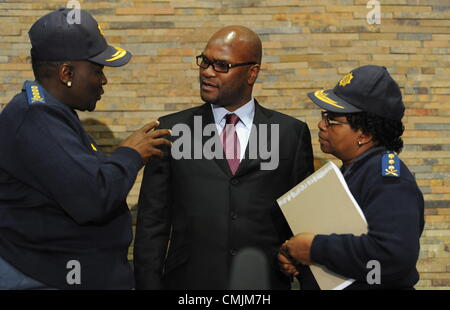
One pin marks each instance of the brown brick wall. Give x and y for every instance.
(307, 45)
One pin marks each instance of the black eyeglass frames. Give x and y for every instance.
(218, 66)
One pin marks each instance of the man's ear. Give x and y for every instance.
(253, 74)
(65, 73)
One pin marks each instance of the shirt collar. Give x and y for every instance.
(245, 113)
(376, 149)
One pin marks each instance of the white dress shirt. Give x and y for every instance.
(244, 125)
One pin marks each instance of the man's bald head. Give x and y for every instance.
(240, 39)
(238, 50)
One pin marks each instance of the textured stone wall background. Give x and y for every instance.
(308, 45)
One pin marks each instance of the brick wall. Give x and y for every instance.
(308, 45)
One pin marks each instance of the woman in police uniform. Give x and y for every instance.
(362, 127)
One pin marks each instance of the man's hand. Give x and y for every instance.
(298, 248)
(146, 141)
(286, 266)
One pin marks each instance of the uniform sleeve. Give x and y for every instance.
(392, 208)
(153, 223)
(88, 187)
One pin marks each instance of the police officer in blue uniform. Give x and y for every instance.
(361, 125)
(64, 221)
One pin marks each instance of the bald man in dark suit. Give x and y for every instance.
(195, 215)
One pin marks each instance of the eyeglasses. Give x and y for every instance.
(328, 118)
(218, 66)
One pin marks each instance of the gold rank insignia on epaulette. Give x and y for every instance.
(93, 147)
(390, 165)
(35, 92)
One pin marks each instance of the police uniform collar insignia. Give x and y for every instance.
(347, 79)
(390, 165)
(35, 92)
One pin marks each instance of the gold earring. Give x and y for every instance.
(69, 84)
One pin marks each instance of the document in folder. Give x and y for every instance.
(323, 204)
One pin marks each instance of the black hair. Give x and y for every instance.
(384, 132)
(44, 69)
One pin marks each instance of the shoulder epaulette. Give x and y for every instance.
(35, 93)
(390, 165)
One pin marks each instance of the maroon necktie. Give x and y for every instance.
(230, 142)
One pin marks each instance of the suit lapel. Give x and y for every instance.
(262, 116)
(207, 117)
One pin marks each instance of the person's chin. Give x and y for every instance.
(208, 98)
(324, 148)
(91, 107)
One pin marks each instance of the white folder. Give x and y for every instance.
(323, 204)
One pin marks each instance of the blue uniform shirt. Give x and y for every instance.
(394, 208)
(61, 199)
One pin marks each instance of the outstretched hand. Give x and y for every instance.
(146, 141)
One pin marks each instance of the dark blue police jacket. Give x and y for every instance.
(393, 206)
(61, 199)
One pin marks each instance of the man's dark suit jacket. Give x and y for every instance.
(209, 215)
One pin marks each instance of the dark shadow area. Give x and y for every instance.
(101, 134)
